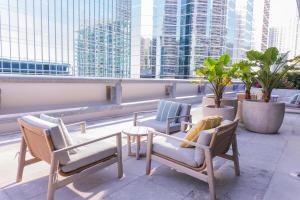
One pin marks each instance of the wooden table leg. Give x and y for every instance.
(129, 145)
(138, 146)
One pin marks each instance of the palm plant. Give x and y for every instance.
(246, 74)
(218, 74)
(272, 68)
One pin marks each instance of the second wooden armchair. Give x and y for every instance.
(198, 161)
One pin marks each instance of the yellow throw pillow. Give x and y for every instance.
(206, 123)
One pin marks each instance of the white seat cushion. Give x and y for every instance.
(193, 157)
(88, 154)
(171, 149)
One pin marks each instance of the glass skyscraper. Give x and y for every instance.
(70, 37)
(102, 47)
(185, 32)
(286, 37)
(261, 13)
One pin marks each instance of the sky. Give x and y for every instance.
(282, 11)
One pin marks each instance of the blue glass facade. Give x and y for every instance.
(91, 37)
(33, 68)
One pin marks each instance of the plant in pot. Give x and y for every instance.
(246, 74)
(271, 67)
(219, 75)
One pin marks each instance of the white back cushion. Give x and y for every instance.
(60, 123)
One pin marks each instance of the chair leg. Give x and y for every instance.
(210, 174)
(119, 152)
(21, 164)
(52, 178)
(138, 147)
(148, 154)
(148, 164)
(235, 157)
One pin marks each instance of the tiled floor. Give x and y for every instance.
(265, 160)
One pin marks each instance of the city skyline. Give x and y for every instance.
(137, 38)
(185, 32)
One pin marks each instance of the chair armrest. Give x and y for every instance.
(183, 124)
(178, 117)
(145, 111)
(86, 143)
(82, 125)
(172, 119)
(188, 123)
(151, 133)
(135, 115)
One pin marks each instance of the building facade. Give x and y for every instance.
(142, 40)
(185, 32)
(286, 38)
(8, 66)
(261, 15)
(102, 47)
(90, 38)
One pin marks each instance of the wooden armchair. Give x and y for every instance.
(44, 141)
(198, 161)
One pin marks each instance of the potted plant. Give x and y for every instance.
(271, 67)
(219, 75)
(246, 74)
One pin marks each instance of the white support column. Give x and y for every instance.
(118, 93)
(171, 90)
(114, 93)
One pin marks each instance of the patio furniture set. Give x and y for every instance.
(172, 139)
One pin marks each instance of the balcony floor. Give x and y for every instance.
(265, 161)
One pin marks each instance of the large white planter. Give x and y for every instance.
(263, 117)
(227, 112)
(225, 101)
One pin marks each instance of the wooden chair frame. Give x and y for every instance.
(222, 139)
(57, 178)
(82, 125)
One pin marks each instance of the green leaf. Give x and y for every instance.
(225, 59)
(270, 56)
(254, 55)
(209, 62)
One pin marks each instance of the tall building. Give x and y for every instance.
(141, 43)
(261, 15)
(165, 37)
(265, 29)
(90, 38)
(185, 32)
(242, 29)
(103, 47)
(286, 37)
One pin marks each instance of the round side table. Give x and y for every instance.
(138, 132)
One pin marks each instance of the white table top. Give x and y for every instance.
(137, 130)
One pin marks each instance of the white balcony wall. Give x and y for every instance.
(186, 89)
(142, 91)
(31, 94)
